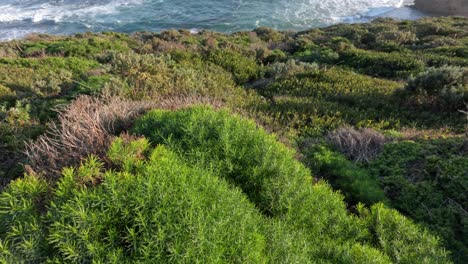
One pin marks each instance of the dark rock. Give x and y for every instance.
(443, 7)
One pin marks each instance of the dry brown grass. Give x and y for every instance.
(359, 145)
(88, 125)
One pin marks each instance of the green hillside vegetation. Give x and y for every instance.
(345, 144)
(162, 206)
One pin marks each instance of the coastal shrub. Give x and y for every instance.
(16, 126)
(275, 55)
(357, 184)
(94, 214)
(427, 181)
(34, 50)
(308, 80)
(383, 222)
(93, 85)
(245, 155)
(437, 60)
(290, 68)
(84, 127)
(105, 216)
(381, 64)
(153, 76)
(242, 67)
(268, 34)
(76, 46)
(445, 87)
(265, 171)
(451, 51)
(76, 66)
(9, 49)
(440, 27)
(22, 233)
(6, 93)
(397, 38)
(87, 125)
(17, 79)
(318, 54)
(52, 84)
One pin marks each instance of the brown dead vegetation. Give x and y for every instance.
(87, 127)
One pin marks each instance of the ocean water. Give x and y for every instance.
(21, 17)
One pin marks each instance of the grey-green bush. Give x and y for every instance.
(445, 87)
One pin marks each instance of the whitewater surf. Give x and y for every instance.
(19, 18)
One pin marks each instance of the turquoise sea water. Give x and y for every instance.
(21, 17)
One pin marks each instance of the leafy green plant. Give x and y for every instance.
(427, 181)
(387, 65)
(446, 87)
(267, 173)
(243, 68)
(357, 184)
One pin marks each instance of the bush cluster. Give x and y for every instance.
(445, 87)
(427, 181)
(387, 75)
(200, 197)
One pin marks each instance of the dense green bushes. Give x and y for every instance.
(156, 205)
(242, 67)
(302, 85)
(159, 210)
(78, 46)
(251, 159)
(153, 76)
(357, 184)
(267, 172)
(446, 88)
(387, 65)
(428, 181)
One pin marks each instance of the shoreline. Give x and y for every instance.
(21, 29)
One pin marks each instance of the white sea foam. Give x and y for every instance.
(71, 16)
(302, 11)
(59, 10)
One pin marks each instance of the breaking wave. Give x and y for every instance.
(18, 18)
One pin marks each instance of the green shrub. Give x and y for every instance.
(9, 49)
(21, 228)
(397, 38)
(52, 84)
(268, 34)
(427, 181)
(153, 76)
(388, 65)
(383, 224)
(34, 50)
(318, 54)
(446, 87)
(243, 68)
(164, 211)
(77, 46)
(265, 171)
(240, 152)
(93, 85)
(357, 184)
(77, 66)
(17, 125)
(6, 93)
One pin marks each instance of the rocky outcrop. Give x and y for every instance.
(443, 7)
